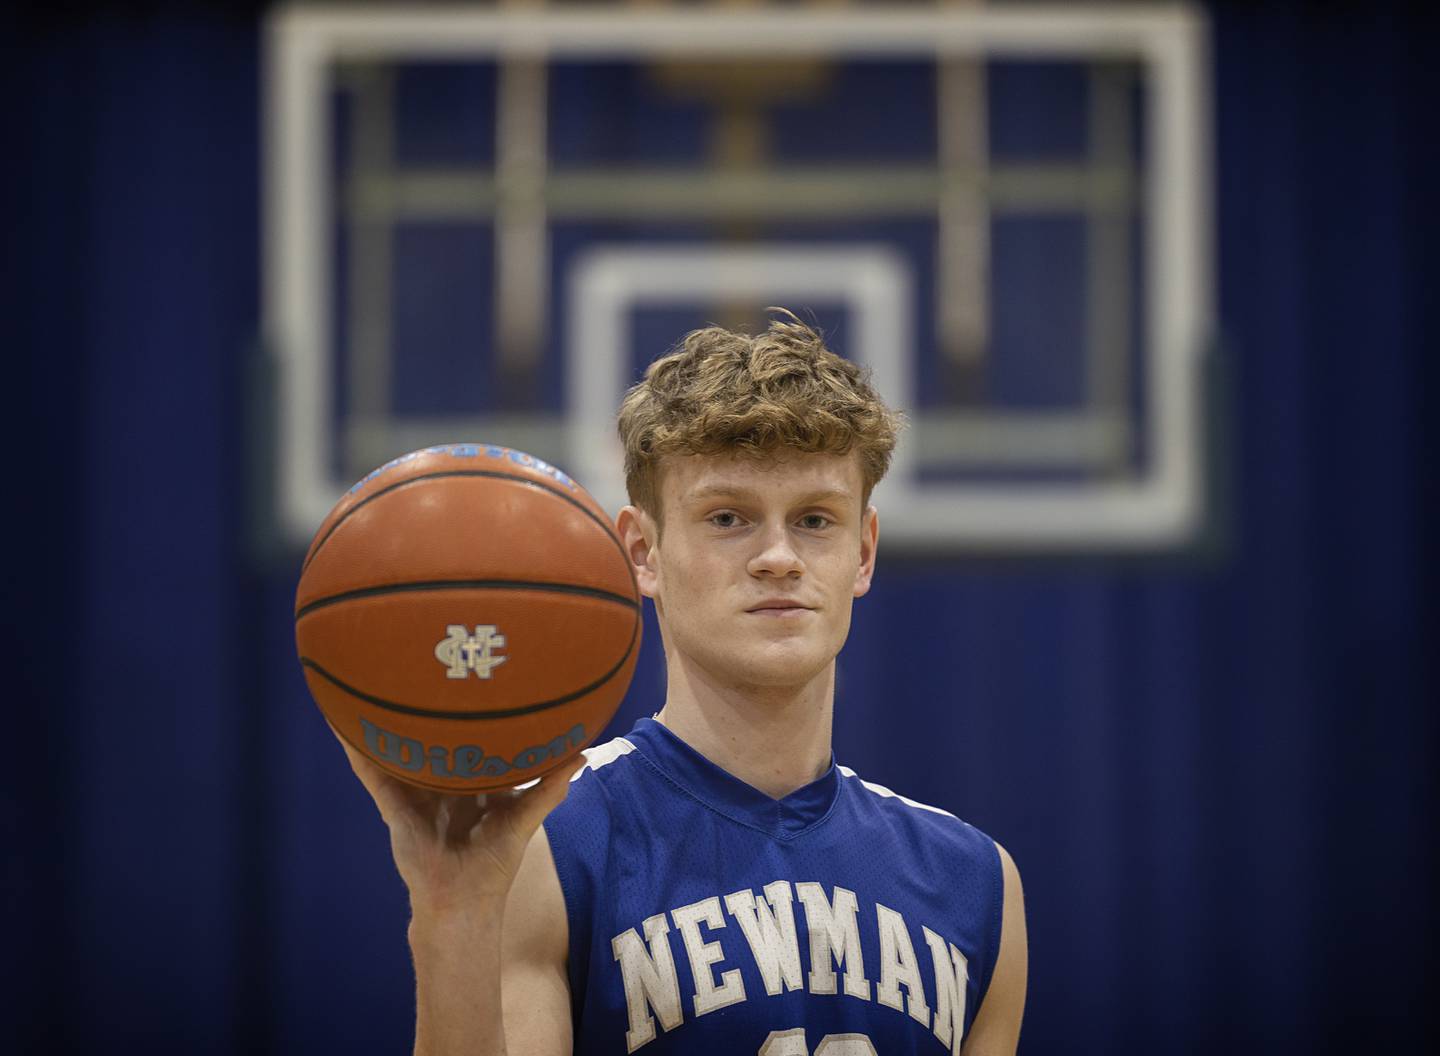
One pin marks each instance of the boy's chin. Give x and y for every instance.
(778, 671)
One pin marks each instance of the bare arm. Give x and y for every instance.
(488, 930)
(535, 948)
(996, 1030)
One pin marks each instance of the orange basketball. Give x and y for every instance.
(467, 617)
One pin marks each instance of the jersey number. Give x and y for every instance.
(792, 1043)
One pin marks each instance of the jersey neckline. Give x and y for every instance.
(727, 794)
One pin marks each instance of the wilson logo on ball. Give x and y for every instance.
(465, 760)
(463, 652)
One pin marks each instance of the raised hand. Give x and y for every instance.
(454, 850)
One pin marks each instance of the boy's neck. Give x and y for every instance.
(775, 739)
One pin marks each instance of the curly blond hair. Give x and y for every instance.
(722, 391)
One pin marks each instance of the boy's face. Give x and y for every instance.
(758, 564)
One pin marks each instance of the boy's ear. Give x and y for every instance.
(869, 543)
(639, 536)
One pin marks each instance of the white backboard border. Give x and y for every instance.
(1161, 509)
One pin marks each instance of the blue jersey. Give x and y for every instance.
(708, 918)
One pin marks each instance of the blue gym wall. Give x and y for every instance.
(1215, 773)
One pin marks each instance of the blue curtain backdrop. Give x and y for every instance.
(1216, 774)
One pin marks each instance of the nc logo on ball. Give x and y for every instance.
(463, 652)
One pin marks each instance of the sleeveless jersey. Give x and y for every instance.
(706, 917)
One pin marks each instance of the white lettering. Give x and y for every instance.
(952, 972)
(898, 967)
(785, 1043)
(708, 996)
(833, 931)
(845, 1045)
(649, 980)
(767, 920)
(770, 931)
(792, 1043)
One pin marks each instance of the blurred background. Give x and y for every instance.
(1154, 284)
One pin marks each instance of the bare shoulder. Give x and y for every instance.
(996, 1030)
(535, 984)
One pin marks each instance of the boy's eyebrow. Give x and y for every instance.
(727, 491)
(732, 491)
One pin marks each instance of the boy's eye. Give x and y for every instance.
(815, 521)
(724, 520)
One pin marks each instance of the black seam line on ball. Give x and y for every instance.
(506, 713)
(466, 584)
(406, 709)
(490, 473)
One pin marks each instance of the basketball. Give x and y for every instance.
(467, 618)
